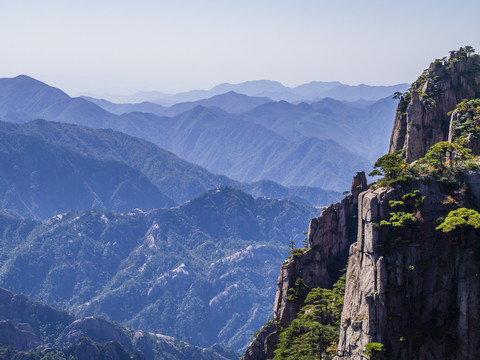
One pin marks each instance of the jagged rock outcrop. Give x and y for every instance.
(422, 117)
(27, 325)
(472, 140)
(415, 290)
(97, 329)
(19, 337)
(329, 238)
(86, 349)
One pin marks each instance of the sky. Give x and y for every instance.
(121, 47)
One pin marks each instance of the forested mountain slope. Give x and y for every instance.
(202, 272)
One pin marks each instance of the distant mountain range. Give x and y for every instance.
(274, 90)
(40, 180)
(201, 269)
(49, 168)
(230, 102)
(328, 119)
(203, 272)
(246, 147)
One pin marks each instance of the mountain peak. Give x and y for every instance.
(422, 117)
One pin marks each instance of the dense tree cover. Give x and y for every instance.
(314, 333)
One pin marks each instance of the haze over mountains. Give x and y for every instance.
(250, 146)
(274, 90)
(231, 102)
(197, 246)
(49, 168)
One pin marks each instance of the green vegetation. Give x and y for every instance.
(297, 252)
(314, 333)
(461, 55)
(391, 167)
(468, 119)
(460, 218)
(444, 161)
(426, 84)
(298, 291)
(445, 156)
(375, 351)
(407, 210)
(228, 242)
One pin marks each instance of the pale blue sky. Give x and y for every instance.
(125, 46)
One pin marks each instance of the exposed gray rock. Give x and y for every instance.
(414, 290)
(329, 238)
(86, 349)
(422, 120)
(97, 329)
(265, 339)
(27, 325)
(472, 141)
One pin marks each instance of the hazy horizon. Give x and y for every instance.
(211, 87)
(114, 47)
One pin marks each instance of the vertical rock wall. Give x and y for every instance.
(329, 238)
(415, 290)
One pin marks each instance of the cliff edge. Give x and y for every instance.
(423, 114)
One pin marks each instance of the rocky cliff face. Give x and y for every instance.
(413, 288)
(329, 237)
(422, 117)
(416, 290)
(410, 287)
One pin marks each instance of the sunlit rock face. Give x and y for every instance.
(423, 114)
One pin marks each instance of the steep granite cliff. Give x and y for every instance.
(319, 265)
(412, 284)
(413, 288)
(422, 117)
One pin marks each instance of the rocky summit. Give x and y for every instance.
(423, 114)
(411, 288)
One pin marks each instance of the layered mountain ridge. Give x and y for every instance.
(247, 147)
(274, 90)
(104, 169)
